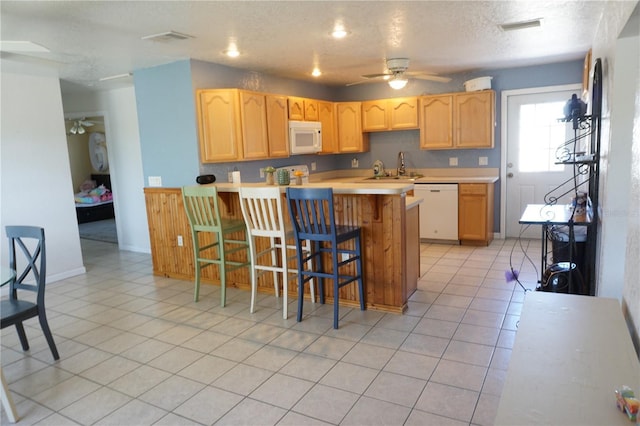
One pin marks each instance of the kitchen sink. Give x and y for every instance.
(393, 179)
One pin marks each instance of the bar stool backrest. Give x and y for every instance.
(201, 205)
(262, 209)
(311, 211)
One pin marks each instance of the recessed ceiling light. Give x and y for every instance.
(167, 36)
(22, 46)
(339, 31)
(115, 77)
(316, 72)
(232, 53)
(532, 23)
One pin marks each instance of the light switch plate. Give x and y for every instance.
(155, 181)
(483, 161)
(453, 161)
(355, 163)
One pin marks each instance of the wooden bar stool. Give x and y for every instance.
(201, 205)
(313, 219)
(263, 214)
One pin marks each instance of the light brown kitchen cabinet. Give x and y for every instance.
(303, 109)
(326, 116)
(457, 120)
(253, 109)
(474, 113)
(277, 126)
(219, 125)
(349, 128)
(390, 114)
(475, 213)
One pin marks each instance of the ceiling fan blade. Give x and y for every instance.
(361, 82)
(422, 76)
(377, 75)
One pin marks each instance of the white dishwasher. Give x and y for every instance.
(439, 211)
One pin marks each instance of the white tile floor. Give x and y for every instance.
(136, 350)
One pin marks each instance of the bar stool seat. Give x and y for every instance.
(263, 214)
(312, 216)
(201, 206)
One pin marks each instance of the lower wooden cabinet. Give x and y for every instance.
(475, 213)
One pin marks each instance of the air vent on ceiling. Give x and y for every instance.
(167, 36)
(522, 25)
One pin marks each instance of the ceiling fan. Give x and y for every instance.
(78, 127)
(398, 76)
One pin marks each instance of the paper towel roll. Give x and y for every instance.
(235, 177)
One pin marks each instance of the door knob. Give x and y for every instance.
(509, 175)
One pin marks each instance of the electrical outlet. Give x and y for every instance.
(345, 257)
(262, 172)
(453, 161)
(155, 181)
(180, 241)
(354, 163)
(313, 166)
(483, 161)
(230, 176)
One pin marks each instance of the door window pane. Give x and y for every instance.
(540, 136)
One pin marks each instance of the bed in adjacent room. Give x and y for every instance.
(95, 201)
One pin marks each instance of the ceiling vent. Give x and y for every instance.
(167, 36)
(532, 23)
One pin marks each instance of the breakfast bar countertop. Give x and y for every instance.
(339, 187)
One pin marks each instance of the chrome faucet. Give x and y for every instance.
(401, 170)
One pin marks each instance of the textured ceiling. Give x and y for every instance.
(90, 40)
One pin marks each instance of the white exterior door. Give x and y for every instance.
(535, 140)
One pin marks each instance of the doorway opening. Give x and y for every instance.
(87, 144)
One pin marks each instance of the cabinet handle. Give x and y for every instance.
(434, 190)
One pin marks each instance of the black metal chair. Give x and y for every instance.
(13, 310)
(313, 219)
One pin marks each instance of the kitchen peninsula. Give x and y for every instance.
(386, 213)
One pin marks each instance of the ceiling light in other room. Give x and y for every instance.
(532, 23)
(398, 82)
(77, 129)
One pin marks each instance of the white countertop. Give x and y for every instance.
(570, 353)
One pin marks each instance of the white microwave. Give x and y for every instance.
(305, 137)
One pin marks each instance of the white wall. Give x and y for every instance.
(35, 180)
(118, 107)
(615, 191)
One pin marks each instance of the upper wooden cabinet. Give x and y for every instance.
(390, 114)
(457, 120)
(303, 109)
(255, 143)
(326, 116)
(349, 128)
(277, 126)
(219, 125)
(237, 124)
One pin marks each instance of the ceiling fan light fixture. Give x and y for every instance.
(316, 72)
(398, 82)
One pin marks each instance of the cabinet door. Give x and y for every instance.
(219, 125)
(403, 113)
(296, 108)
(474, 118)
(374, 116)
(311, 110)
(436, 122)
(350, 136)
(473, 212)
(326, 116)
(277, 126)
(254, 125)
